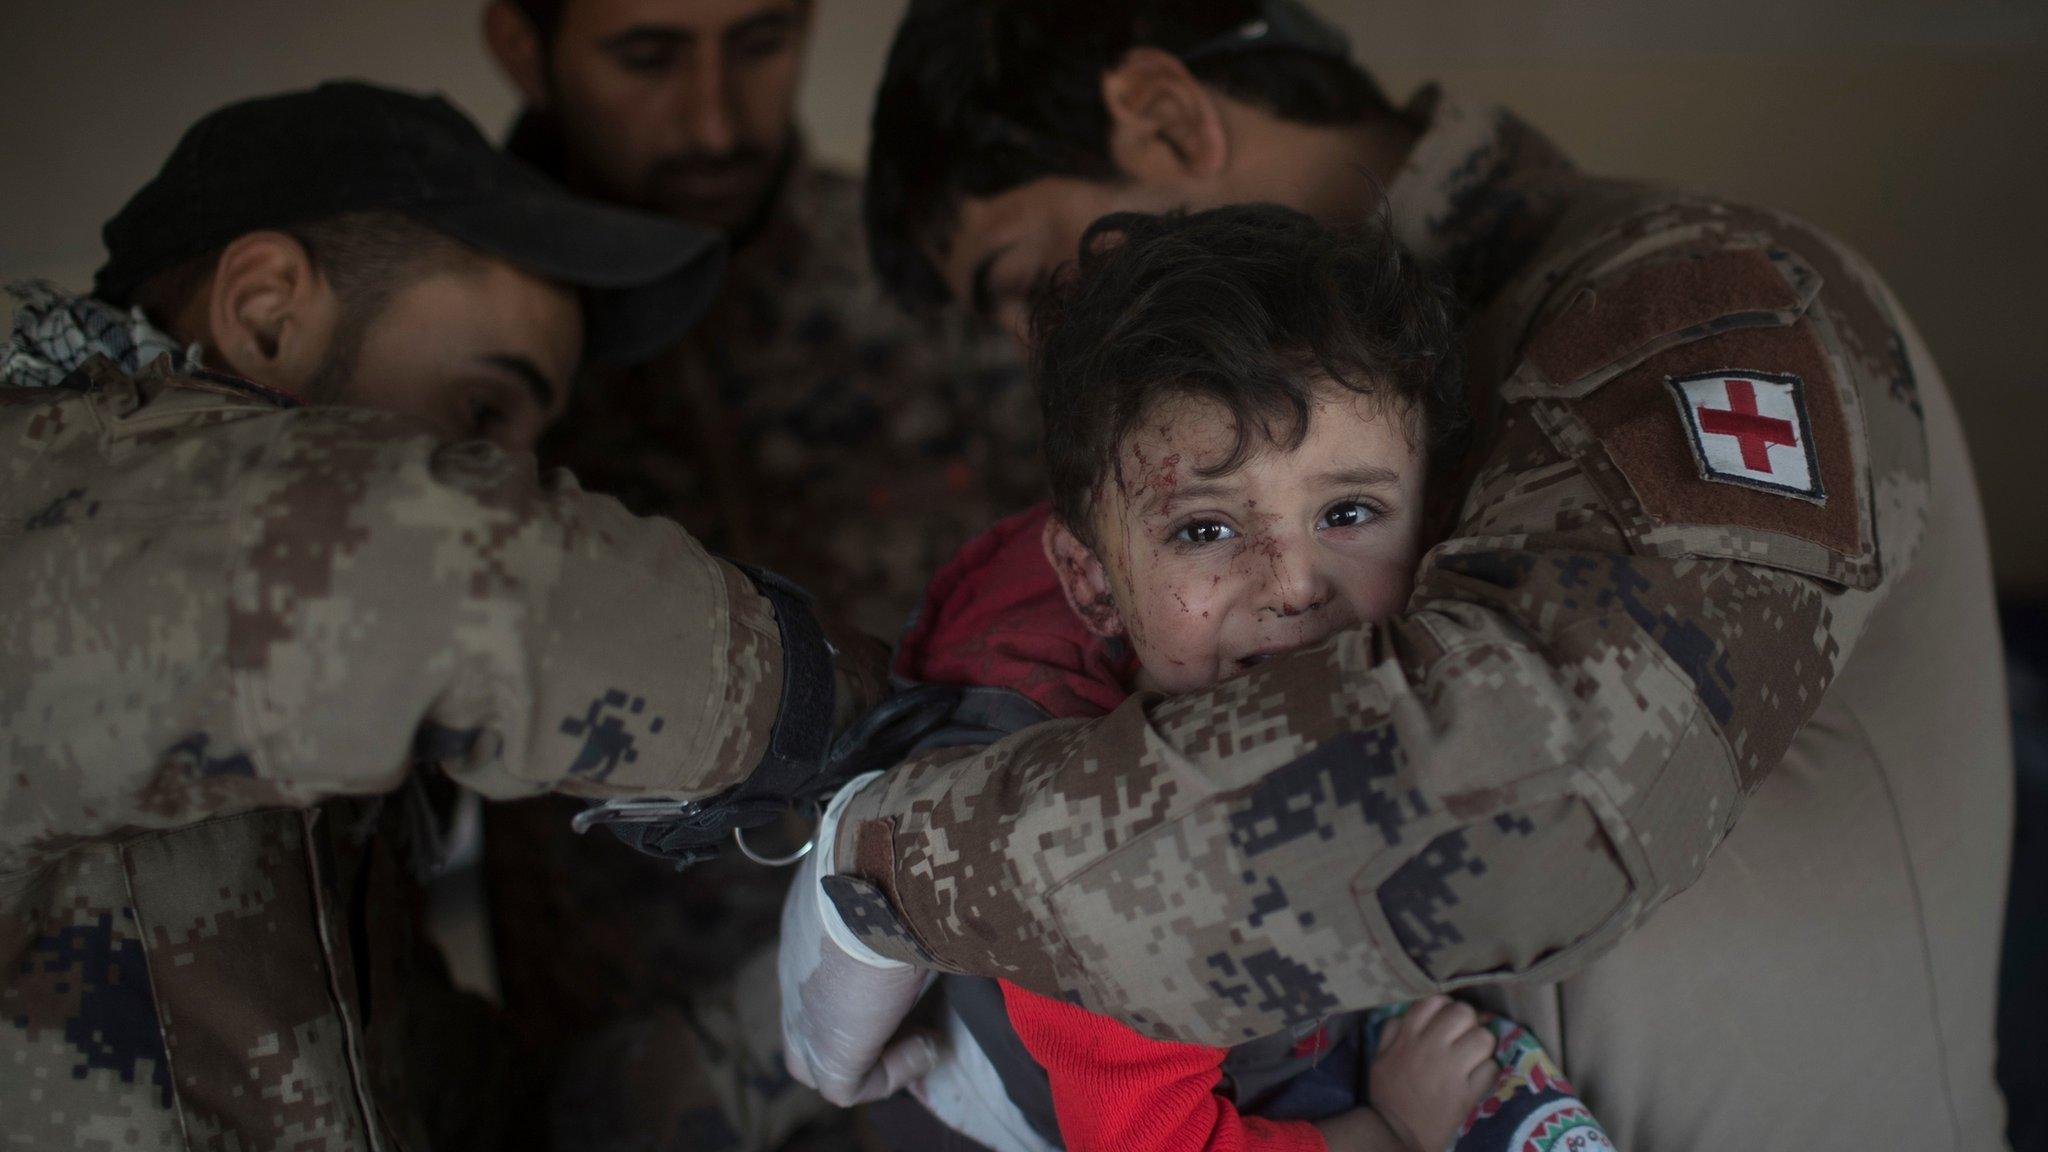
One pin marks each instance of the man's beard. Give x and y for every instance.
(329, 383)
(723, 190)
(749, 174)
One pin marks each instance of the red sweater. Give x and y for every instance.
(995, 616)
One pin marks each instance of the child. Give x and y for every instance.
(1241, 410)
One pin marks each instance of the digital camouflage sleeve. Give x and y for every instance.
(232, 628)
(1702, 469)
(293, 605)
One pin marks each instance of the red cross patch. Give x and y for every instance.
(1750, 428)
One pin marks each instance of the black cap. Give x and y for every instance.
(279, 161)
(1279, 24)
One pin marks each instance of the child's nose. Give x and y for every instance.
(1298, 583)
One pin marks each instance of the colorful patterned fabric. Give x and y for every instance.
(1532, 1107)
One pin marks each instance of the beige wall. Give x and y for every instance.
(1912, 128)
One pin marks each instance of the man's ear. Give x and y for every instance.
(1164, 125)
(1083, 578)
(516, 45)
(270, 316)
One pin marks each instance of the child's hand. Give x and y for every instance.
(1435, 1062)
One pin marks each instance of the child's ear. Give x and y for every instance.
(1083, 579)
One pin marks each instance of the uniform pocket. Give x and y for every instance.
(229, 920)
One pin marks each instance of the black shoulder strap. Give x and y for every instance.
(978, 1002)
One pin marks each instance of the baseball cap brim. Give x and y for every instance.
(645, 279)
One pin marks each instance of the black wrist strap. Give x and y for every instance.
(793, 770)
(803, 764)
(803, 723)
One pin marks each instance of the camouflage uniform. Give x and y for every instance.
(232, 628)
(807, 425)
(1626, 644)
(811, 426)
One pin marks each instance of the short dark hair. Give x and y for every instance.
(546, 16)
(364, 256)
(981, 96)
(1249, 306)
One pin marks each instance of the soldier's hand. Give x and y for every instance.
(842, 1005)
(1434, 1063)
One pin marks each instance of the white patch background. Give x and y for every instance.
(1773, 449)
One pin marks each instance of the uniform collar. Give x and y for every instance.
(1478, 192)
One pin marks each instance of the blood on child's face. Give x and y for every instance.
(1211, 574)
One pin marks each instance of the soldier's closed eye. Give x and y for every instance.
(1048, 278)
(483, 414)
(762, 37)
(646, 51)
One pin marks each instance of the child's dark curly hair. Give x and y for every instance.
(1251, 306)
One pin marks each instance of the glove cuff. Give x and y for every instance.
(841, 936)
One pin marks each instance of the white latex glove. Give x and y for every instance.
(966, 1093)
(843, 1003)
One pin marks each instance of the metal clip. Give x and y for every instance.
(739, 837)
(635, 811)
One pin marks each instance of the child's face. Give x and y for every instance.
(1207, 576)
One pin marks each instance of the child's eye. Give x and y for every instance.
(1204, 532)
(1347, 514)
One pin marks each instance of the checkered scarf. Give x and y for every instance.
(55, 333)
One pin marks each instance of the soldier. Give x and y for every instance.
(243, 603)
(1689, 750)
(808, 425)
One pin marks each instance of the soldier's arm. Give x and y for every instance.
(215, 607)
(1611, 653)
